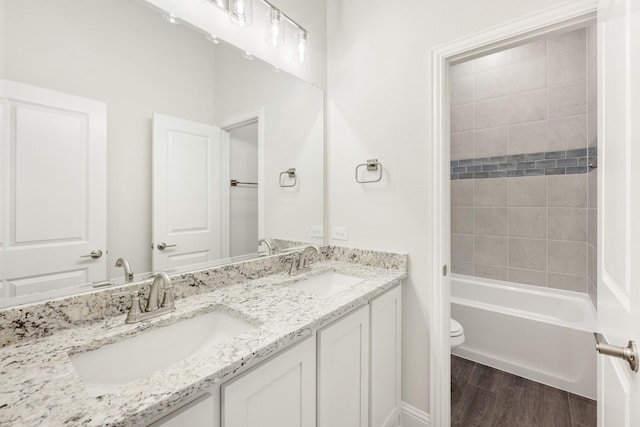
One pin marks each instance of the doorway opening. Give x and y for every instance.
(508, 199)
(243, 175)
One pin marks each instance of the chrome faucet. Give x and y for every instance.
(268, 243)
(301, 264)
(152, 309)
(128, 274)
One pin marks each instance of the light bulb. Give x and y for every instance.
(301, 55)
(240, 12)
(212, 38)
(170, 18)
(275, 29)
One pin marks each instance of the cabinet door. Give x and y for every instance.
(385, 358)
(202, 412)
(343, 371)
(279, 393)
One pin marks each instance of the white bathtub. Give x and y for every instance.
(542, 334)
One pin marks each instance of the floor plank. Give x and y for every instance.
(488, 378)
(476, 408)
(583, 410)
(484, 396)
(512, 404)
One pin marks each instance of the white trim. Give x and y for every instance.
(563, 17)
(413, 417)
(240, 120)
(225, 194)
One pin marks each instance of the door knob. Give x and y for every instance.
(94, 254)
(162, 246)
(628, 353)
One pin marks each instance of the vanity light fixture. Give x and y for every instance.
(240, 12)
(275, 32)
(301, 55)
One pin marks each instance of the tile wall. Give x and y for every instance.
(520, 156)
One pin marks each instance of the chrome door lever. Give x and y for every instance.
(162, 246)
(628, 353)
(94, 254)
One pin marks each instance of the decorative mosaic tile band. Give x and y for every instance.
(534, 164)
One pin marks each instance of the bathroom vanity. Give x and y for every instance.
(248, 344)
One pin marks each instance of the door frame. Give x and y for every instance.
(563, 17)
(227, 125)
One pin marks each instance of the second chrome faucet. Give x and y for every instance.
(153, 307)
(128, 274)
(301, 264)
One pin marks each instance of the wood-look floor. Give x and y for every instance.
(483, 396)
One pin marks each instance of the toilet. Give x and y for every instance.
(456, 334)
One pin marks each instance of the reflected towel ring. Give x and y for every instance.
(291, 173)
(372, 165)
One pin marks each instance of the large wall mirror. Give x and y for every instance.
(125, 135)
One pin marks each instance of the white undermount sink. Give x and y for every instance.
(326, 284)
(108, 368)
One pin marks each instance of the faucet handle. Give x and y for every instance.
(135, 310)
(167, 299)
(294, 262)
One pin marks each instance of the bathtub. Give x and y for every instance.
(543, 334)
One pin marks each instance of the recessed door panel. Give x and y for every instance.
(182, 259)
(188, 180)
(48, 281)
(49, 175)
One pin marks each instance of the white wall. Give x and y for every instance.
(243, 206)
(379, 105)
(293, 134)
(138, 64)
(2, 38)
(308, 13)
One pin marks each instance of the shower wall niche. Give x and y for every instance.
(523, 134)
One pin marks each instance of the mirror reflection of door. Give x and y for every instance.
(53, 228)
(188, 172)
(243, 197)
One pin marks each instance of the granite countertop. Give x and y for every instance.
(40, 387)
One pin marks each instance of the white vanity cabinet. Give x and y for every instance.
(343, 371)
(279, 393)
(386, 340)
(201, 412)
(349, 372)
(359, 366)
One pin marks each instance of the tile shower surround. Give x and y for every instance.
(522, 128)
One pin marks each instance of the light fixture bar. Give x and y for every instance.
(224, 6)
(284, 15)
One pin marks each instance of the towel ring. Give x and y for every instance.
(291, 173)
(372, 165)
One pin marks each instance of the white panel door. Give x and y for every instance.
(386, 340)
(279, 393)
(343, 371)
(54, 189)
(187, 204)
(619, 207)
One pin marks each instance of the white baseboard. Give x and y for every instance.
(413, 417)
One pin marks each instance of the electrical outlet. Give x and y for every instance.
(340, 233)
(317, 231)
